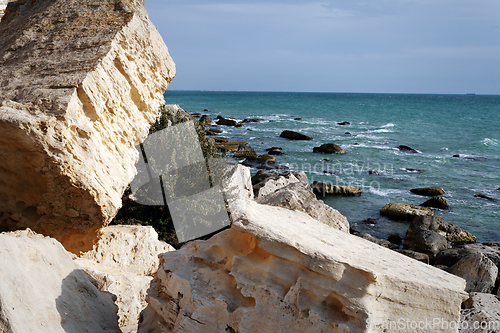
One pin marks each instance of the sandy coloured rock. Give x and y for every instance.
(123, 262)
(80, 85)
(297, 275)
(404, 211)
(43, 290)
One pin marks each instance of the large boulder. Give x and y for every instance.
(123, 263)
(278, 270)
(321, 188)
(479, 272)
(436, 202)
(43, 290)
(481, 314)
(298, 196)
(80, 85)
(450, 257)
(291, 135)
(404, 211)
(432, 234)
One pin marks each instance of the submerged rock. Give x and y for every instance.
(226, 122)
(437, 202)
(321, 188)
(213, 131)
(329, 148)
(428, 191)
(291, 135)
(404, 211)
(407, 149)
(81, 83)
(344, 123)
(279, 270)
(484, 197)
(253, 120)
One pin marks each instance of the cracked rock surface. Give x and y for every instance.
(80, 85)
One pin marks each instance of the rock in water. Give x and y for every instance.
(80, 85)
(428, 191)
(291, 135)
(329, 148)
(323, 189)
(407, 149)
(404, 211)
(437, 202)
(278, 270)
(43, 290)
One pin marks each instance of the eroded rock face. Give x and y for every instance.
(80, 85)
(43, 290)
(481, 309)
(297, 275)
(122, 263)
(479, 272)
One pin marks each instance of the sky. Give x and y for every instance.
(376, 46)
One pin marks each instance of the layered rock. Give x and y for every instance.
(122, 263)
(278, 270)
(80, 85)
(43, 290)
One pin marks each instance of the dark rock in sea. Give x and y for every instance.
(456, 155)
(479, 195)
(370, 221)
(415, 255)
(410, 170)
(231, 146)
(404, 211)
(329, 172)
(205, 120)
(344, 123)
(263, 163)
(356, 144)
(196, 114)
(436, 202)
(228, 122)
(291, 135)
(498, 189)
(407, 149)
(478, 271)
(373, 172)
(275, 152)
(220, 117)
(325, 160)
(253, 120)
(323, 189)
(428, 191)
(347, 133)
(213, 131)
(395, 238)
(433, 234)
(329, 148)
(297, 119)
(206, 110)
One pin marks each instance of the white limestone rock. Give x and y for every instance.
(80, 85)
(278, 270)
(122, 263)
(479, 272)
(272, 184)
(43, 290)
(130, 248)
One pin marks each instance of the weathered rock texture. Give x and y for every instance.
(481, 314)
(43, 290)
(278, 270)
(479, 272)
(404, 211)
(122, 263)
(80, 85)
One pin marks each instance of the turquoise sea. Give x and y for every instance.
(438, 126)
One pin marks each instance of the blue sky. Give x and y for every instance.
(397, 46)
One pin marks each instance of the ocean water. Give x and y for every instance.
(438, 126)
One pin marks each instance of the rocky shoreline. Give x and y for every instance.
(81, 87)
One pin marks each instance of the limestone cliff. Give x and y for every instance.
(81, 82)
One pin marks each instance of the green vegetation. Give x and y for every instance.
(158, 216)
